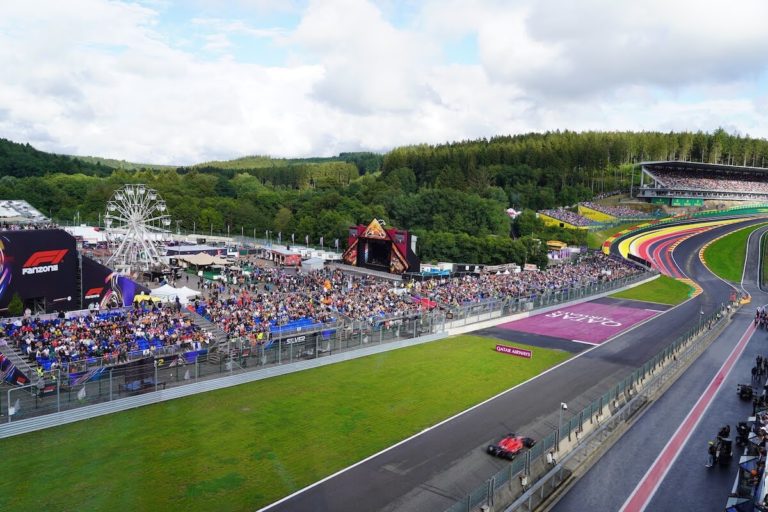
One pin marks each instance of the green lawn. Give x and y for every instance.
(764, 262)
(243, 447)
(725, 257)
(663, 290)
(596, 238)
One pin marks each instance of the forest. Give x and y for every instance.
(453, 196)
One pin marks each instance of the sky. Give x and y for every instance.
(183, 82)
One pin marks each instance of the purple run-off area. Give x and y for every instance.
(588, 322)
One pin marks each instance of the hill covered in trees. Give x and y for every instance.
(22, 160)
(453, 196)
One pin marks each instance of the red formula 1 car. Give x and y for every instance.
(510, 445)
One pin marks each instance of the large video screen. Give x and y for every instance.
(39, 265)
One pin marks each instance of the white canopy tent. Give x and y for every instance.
(168, 293)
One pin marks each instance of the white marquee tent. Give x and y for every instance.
(168, 293)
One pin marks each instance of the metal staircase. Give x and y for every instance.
(220, 344)
(13, 354)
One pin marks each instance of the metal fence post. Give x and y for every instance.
(58, 391)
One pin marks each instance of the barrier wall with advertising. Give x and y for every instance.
(41, 266)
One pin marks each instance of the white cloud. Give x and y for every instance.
(98, 77)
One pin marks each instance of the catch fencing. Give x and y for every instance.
(97, 380)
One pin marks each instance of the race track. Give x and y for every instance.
(431, 471)
(688, 485)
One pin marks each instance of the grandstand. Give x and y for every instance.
(691, 183)
(565, 219)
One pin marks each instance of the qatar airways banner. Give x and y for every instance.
(589, 322)
(514, 351)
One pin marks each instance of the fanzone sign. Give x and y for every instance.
(41, 262)
(514, 351)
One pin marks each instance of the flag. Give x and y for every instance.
(15, 409)
(186, 374)
(279, 237)
(336, 242)
(293, 238)
(306, 240)
(81, 394)
(321, 240)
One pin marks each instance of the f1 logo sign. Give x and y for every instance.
(44, 261)
(93, 292)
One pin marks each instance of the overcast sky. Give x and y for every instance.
(183, 82)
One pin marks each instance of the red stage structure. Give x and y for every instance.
(374, 247)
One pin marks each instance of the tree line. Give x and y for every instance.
(453, 196)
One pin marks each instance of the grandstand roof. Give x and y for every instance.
(680, 165)
(19, 211)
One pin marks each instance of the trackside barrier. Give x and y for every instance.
(98, 382)
(584, 433)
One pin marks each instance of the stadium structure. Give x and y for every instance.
(678, 183)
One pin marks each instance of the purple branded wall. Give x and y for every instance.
(108, 288)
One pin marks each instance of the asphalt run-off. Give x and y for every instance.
(588, 322)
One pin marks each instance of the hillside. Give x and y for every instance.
(364, 161)
(121, 164)
(22, 160)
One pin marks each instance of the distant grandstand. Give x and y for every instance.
(691, 183)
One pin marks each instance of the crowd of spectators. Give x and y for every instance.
(568, 216)
(256, 303)
(112, 335)
(712, 180)
(621, 212)
(269, 298)
(15, 226)
(589, 269)
(610, 193)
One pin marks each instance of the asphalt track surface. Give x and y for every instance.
(431, 471)
(688, 485)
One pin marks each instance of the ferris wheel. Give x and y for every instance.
(137, 221)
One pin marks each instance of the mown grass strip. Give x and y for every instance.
(596, 238)
(662, 290)
(725, 257)
(244, 447)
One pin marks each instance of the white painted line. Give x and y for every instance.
(585, 342)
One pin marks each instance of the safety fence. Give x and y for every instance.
(534, 474)
(95, 380)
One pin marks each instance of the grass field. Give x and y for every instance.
(764, 262)
(595, 239)
(725, 257)
(663, 290)
(243, 447)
